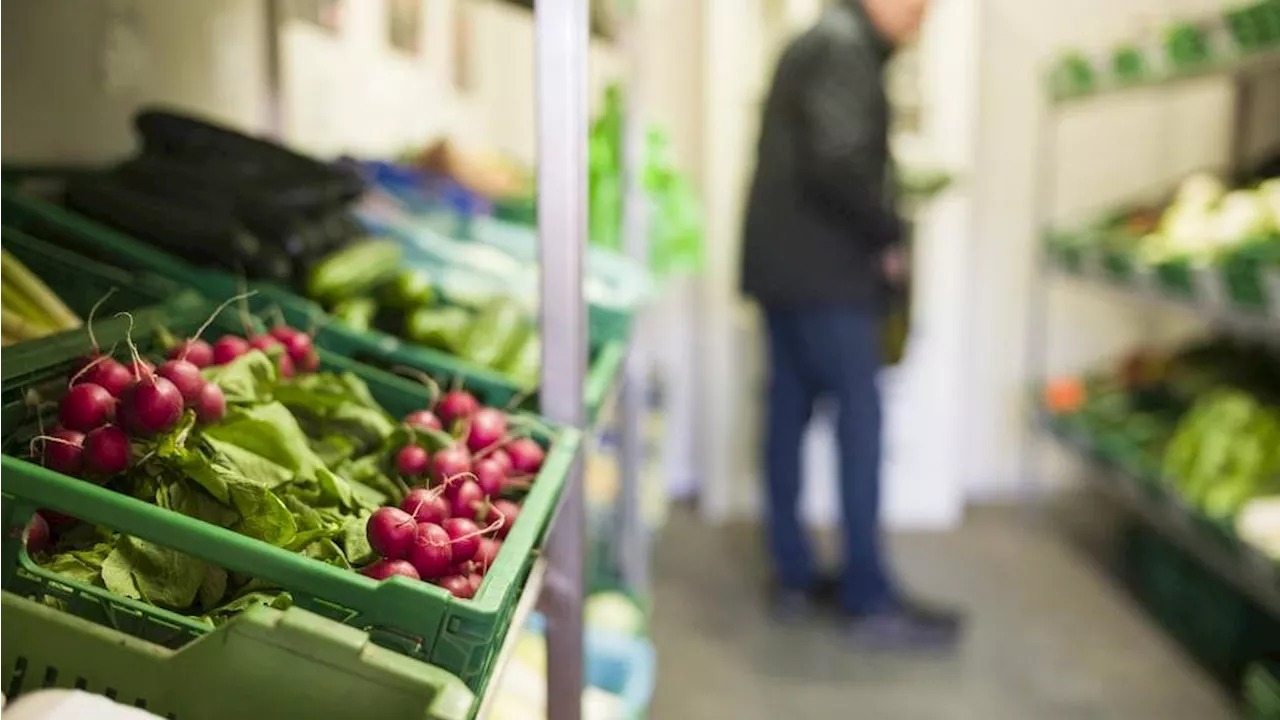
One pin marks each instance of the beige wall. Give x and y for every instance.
(344, 93)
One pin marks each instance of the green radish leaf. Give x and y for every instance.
(249, 379)
(213, 588)
(81, 565)
(263, 515)
(268, 598)
(271, 431)
(355, 541)
(161, 576)
(326, 551)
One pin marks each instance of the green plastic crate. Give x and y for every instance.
(1222, 629)
(1262, 691)
(80, 282)
(414, 618)
(66, 229)
(265, 663)
(1176, 279)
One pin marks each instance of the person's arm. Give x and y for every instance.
(839, 142)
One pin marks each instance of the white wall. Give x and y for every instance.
(74, 72)
(348, 92)
(1107, 150)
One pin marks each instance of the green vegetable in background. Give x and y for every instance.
(408, 289)
(354, 270)
(495, 334)
(443, 328)
(356, 313)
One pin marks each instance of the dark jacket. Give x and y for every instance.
(820, 210)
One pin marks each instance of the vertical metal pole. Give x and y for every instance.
(274, 18)
(561, 38)
(1036, 352)
(632, 547)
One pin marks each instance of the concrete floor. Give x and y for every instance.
(1050, 637)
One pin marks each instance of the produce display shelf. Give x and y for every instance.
(1256, 63)
(1209, 297)
(1246, 569)
(524, 609)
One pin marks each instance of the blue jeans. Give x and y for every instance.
(829, 353)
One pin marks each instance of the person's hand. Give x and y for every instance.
(894, 264)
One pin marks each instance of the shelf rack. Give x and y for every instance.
(1245, 569)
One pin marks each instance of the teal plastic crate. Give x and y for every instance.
(62, 228)
(265, 663)
(414, 618)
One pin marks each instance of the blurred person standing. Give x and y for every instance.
(823, 249)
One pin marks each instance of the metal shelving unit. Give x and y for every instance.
(1243, 74)
(1244, 569)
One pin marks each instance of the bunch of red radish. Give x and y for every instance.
(436, 533)
(107, 402)
(296, 351)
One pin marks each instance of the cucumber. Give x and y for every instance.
(354, 270)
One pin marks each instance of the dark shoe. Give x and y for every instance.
(906, 628)
(789, 605)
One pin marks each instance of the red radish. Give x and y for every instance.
(106, 451)
(152, 406)
(423, 420)
(465, 536)
(64, 451)
(36, 536)
(211, 406)
(195, 351)
(490, 476)
(383, 569)
(450, 462)
(55, 518)
(475, 579)
(412, 461)
(285, 365)
(140, 369)
(430, 552)
(186, 377)
(298, 346)
(110, 373)
(455, 405)
(426, 506)
(487, 427)
(391, 531)
(85, 407)
(283, 333)
(457, 585)
(487, 553)
(465, 500)
(309, 363)
(263, 342)
(502, 457)
(228, 348)
(508, 511)
(526, 456)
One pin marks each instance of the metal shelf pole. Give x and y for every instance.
(561, 45)
(632, 543)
